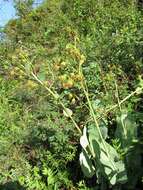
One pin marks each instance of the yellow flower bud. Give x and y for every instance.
(82, 59)
(70, 96)
(79, 77)
(68, 84)
(31, 84)
(73, 101)
(73, 76)
(63, 78)
(63, 64)
(56, 67)
(12, 73)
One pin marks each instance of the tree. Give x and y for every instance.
(23, 7)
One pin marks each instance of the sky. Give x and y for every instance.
(7, 11)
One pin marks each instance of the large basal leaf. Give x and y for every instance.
(109, 161)
(117, 169)
(94, 141)
(86, 164)
(129, 141)
(126, 130)
(84, 140)
(103, 129)
(122, 173)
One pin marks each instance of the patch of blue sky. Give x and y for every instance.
(7, 10)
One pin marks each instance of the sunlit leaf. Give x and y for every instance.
(83, 139)
(126, 130)
(86, 164)
(67, 112)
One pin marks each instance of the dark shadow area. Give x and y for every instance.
(12, 186)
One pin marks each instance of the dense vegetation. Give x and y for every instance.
(71, 113)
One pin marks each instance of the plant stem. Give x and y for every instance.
(94, 118)
(122, 101)
(56, 97)
(97, 125)
(123, 125)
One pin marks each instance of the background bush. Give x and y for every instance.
(39, 145)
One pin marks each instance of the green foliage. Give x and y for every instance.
(107, 161)
(36, 143)
(67, 66)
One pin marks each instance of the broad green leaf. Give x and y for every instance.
(103, 129)
(113, 179)
(83, 139)
(94, 140)
(122, 174)
(86, 164)
(126, 130)
(106, 156)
